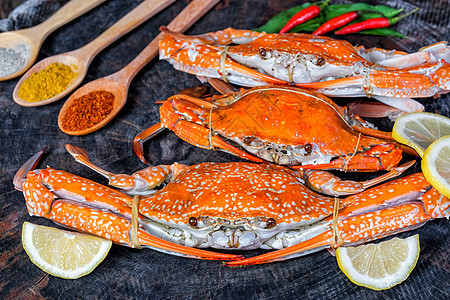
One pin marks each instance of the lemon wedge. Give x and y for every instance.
(436, 165)
(419, 130)
(63, 253)
(379, 266)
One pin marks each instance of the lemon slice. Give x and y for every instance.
(62, 253)
(379, 266)
(419, 130)
(436, 165)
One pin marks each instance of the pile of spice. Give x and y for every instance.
(46, 83)
(88, 110)
(13, 59)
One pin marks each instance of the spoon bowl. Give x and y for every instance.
(106, 84)
(33, 37)
(71, 59)
(16, 38)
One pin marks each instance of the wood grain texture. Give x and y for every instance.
(141, 274)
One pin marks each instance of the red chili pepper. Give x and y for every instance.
(367, 24)
(301, 17)
(336, 22)
(371, 24)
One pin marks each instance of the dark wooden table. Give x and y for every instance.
(128, 273)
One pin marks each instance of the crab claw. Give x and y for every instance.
(139, 183)
(442, 77)
(407, 207)
(90, 207)
(21, 174)
(112, 226)
(144, 136)
(329, 184)
(354, 231)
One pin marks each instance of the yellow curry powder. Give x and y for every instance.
(47, 83)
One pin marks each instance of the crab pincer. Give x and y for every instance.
(400, 205)
(89, 207)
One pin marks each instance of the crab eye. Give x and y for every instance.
(262, 52)
(308, 148)
(270, 223)
(193, 222)
(252, 141)
(320, 61)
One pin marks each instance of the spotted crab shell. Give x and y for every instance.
(312, 58)
(236, 191)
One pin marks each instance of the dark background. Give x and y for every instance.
(128, 273)
(7, 5)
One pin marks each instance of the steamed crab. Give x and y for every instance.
(332, 67)
(225, 206)
(283, 125)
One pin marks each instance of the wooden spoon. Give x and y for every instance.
(33, 37)
(80, 59)
(119, 82)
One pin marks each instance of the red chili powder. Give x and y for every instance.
(88, 110)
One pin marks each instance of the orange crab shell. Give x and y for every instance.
(234, 191)
(313, 48)
(292, 118)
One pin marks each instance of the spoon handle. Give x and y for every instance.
(64, 15)
(134, 18)
(194, 11)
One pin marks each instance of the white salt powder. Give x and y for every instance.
(13, 59)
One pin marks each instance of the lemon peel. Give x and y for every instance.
(62, 253)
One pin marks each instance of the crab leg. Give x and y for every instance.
(326, 183)
(440, 50)
(221, 37)
(381, 157)
(193, 134)
(111, 226)
(387, 136)
(387, 107)
(381, 83)
(206, 60)
(401, 218)
(189, 131)
(406, 105)
(405, 61)
(442, 77)
(20, 176)
(394, 59)
(90, 207)
(400, 59)
(143, 137)
(381, 110)
(141, 182)
(201, 137)
(359, 221)
(219, 85)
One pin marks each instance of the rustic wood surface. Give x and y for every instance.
(128, 273)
